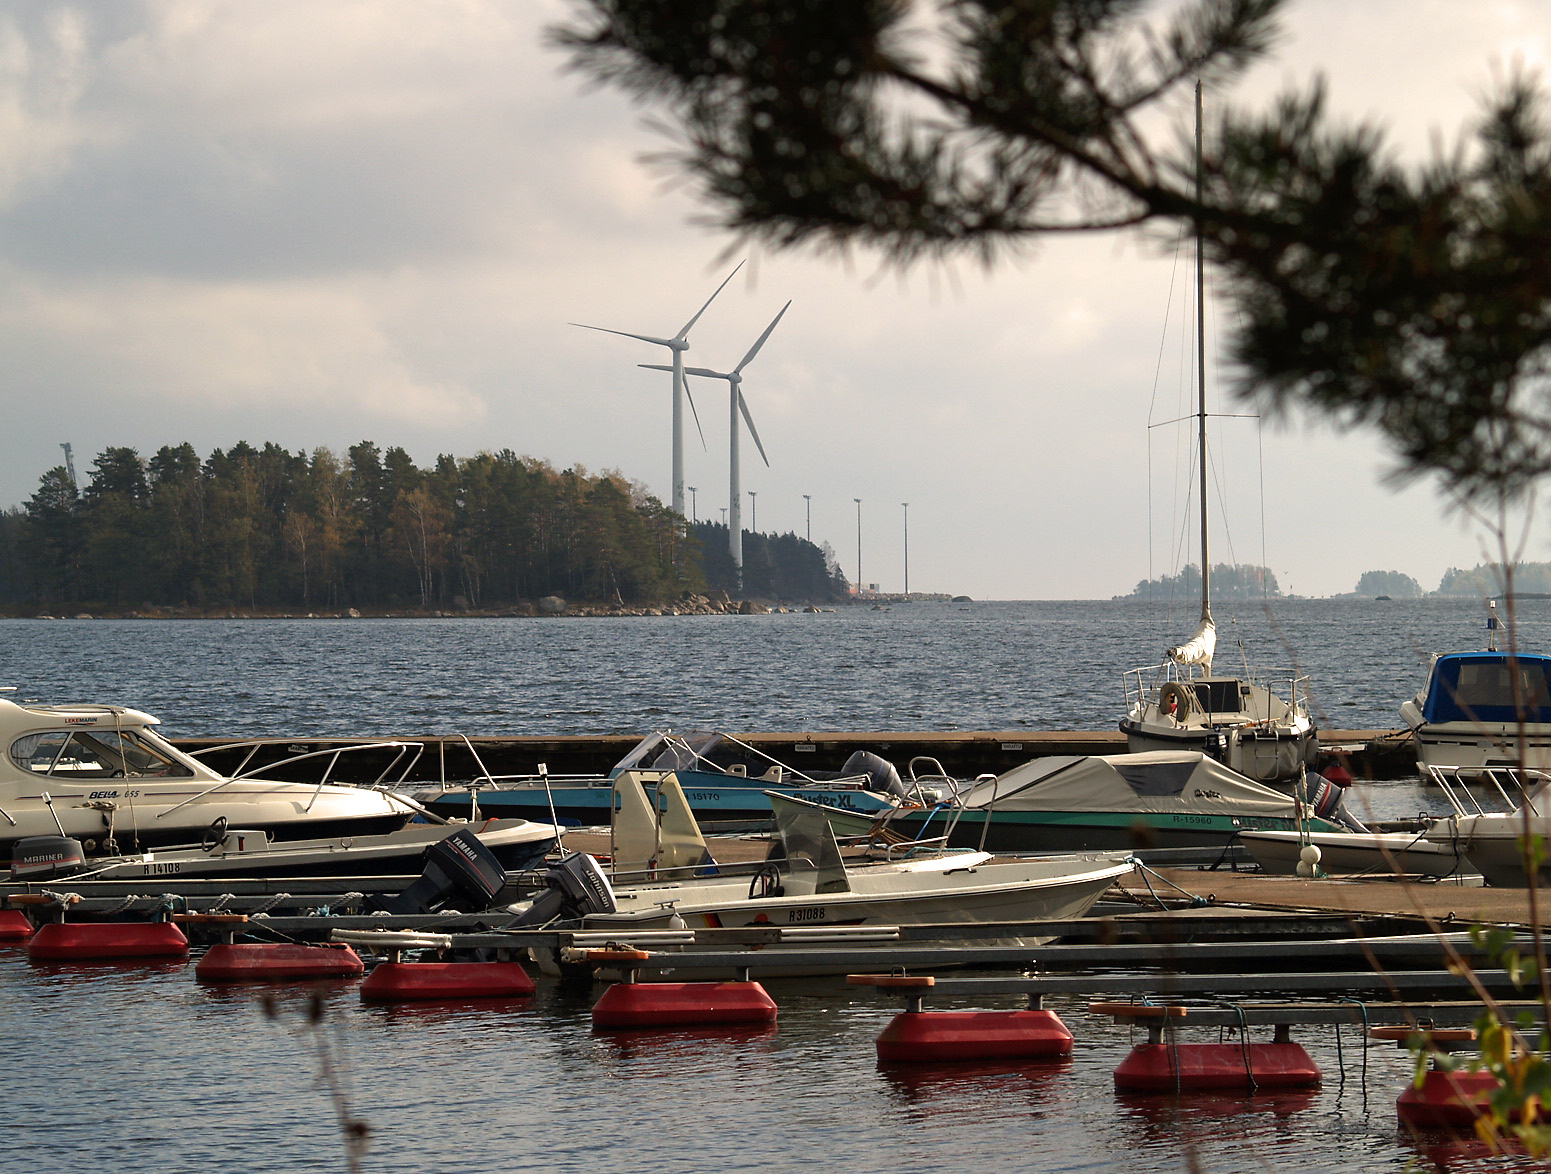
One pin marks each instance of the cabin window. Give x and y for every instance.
(1219, 696)
(94, 754)
(1483, 688)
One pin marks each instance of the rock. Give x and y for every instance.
(720, 597)
(962, 599)
(551, 605)
(810, 610)
(352, 613)
(750, 607)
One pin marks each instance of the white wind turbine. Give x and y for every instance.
(678, 344)
(737, 404)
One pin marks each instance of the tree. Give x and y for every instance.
(1416, 300)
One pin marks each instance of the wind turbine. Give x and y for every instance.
(736, 404)
(678, 344)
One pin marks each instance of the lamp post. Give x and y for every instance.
(724, 515)
(753, 512)
(858, 546)
(808, 500)
(906, 506)
(694, 512)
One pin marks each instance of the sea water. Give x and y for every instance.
(140, 1068)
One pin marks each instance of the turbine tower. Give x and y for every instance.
(736, 405)
(678, 344)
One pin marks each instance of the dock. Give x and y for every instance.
(1367, 754)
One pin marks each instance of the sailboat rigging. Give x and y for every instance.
(1181, 704)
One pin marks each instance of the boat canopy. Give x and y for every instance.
(1480, 687)
(1157, 781)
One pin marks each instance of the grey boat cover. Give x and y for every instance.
(1157, 781)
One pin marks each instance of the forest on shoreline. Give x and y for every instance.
(268, 530)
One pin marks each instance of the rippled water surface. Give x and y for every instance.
(144, 1069)
(921, 666)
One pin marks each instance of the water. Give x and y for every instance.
(922, 666)
(141, 1068)
(144, 1069)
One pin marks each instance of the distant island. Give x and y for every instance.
(1484, 581)
(264, 530)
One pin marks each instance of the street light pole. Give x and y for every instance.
(808, 499)
(694, 512)
(753, 512)
(906, 505)
(724, 515)
(859, 587)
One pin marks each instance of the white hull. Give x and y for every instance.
(1477, 745)
(1365, 853)
(1038, 889)
(1494, 844)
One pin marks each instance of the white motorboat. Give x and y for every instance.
(806, 883)
(1483, 709)
(1372, 853)
(101, 776)
(1181, 704)
(1498, 844)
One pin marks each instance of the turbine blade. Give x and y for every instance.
(743, 406)
(668, 342)
(754, 350)
(681, 335)
(655, 366)
(696, 415)
(705, 372)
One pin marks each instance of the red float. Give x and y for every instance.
(276, 961)
(104, 941)
(1446, 1100)
(394, 982)
(682, 1004)
(1151, 1067)
(14, 926)
(930, 1037)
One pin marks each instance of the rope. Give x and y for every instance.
(1195, 901)
(1243, 1029)
(263, 910)
(1340, 1060)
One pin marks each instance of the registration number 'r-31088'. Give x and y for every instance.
(806, 913)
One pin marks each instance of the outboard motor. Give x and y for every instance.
(576, 888)
(1328, 801)
(38, 858)
(880, 772)
(457, 867)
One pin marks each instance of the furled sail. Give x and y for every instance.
(1199, 648)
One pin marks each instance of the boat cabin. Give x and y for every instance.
(1488, 687)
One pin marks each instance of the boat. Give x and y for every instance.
(1181, 704)
(1165, 805)
(1351, 853)
(805, 882)
(1483, 710)
(1498, 843)
(101, 778)
(724, 779)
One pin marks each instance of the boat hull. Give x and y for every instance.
(1349, 853)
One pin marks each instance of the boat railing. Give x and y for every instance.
(1515, 787)
(332, 754)
(1142, 684)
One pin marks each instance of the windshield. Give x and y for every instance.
(95, 754)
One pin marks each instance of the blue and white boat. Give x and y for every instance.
(1482, 710)
(723, 779)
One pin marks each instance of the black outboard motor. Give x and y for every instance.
(37, 858)
(880, 772)
(458, 867)
(576, 888)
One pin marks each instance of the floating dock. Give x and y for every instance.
(1367, 754)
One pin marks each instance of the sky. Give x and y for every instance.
(313, 222)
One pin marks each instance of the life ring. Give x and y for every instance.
(1180, 695)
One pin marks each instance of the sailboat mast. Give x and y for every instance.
(1206, 560)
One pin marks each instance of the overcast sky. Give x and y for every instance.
(319, 221)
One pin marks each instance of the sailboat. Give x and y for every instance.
(1182, 704)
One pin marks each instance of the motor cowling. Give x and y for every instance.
(1328, 801)
(457, 868)
(880, 772)
(575, 887)
(46, 857)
